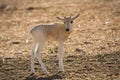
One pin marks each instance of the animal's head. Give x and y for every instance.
(68, 21)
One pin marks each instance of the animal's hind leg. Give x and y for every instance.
(39, 55)
(33, 57)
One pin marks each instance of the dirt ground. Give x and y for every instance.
(92, 52)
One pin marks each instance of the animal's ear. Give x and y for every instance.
(75, 16)
(60, 18)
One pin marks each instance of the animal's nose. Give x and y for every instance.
(67, 29)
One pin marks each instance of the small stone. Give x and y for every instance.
(16, 42)
(87, 42)
(80, 50)
(26, 41)
(79, 25)
(30, 8)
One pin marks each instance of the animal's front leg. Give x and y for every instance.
(60, 56)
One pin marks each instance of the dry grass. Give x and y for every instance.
(91, 53)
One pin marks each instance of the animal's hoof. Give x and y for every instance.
(61, 70)
(32, 74)
(46, 72)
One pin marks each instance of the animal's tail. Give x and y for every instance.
(29, 36)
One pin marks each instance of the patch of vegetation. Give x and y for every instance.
(12, 8)
(2, 6)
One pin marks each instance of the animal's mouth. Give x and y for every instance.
(67, 30)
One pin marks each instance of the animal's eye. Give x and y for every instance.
(71, 21)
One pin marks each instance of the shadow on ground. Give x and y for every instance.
(56, 76)
(104, 66)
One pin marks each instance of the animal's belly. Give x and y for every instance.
(52, 37)
(57, 35)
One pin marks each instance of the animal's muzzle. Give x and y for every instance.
(67, 30)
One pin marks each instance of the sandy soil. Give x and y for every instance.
(92, 52)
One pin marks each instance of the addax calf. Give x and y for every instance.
(56, 31)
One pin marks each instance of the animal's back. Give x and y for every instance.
(48, 30)
(54, 31)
